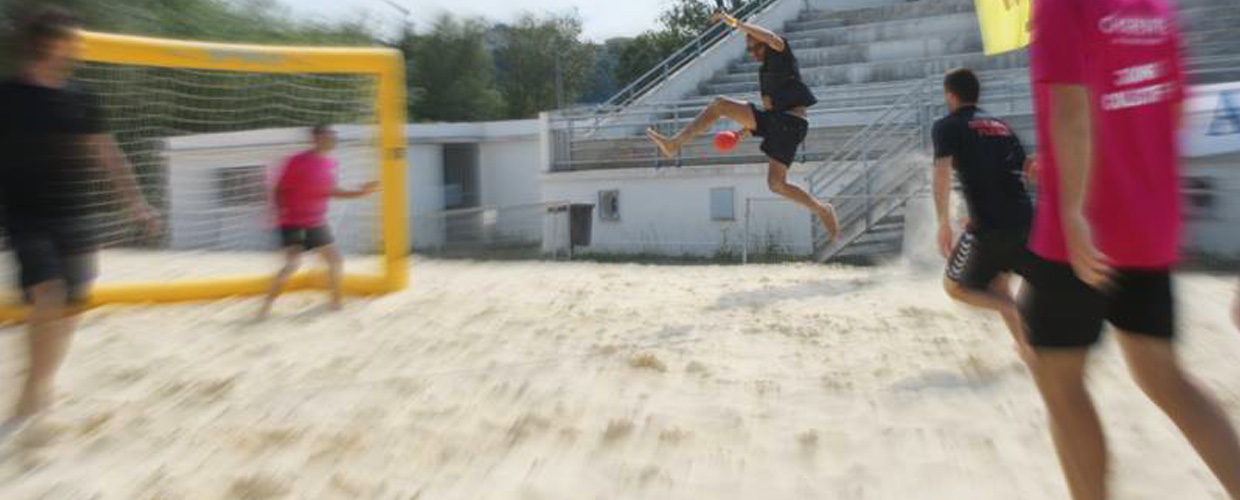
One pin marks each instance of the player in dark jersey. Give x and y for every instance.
(780, 122)
(53, 134)
(991, 163)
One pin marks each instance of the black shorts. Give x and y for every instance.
(1061, 311)
(781, 133)
(308, 238)
(50, 250)
(979, 258)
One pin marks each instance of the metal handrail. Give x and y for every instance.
(689, 52)
(868, 134)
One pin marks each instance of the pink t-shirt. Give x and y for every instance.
(1127, 53)
(304, 187)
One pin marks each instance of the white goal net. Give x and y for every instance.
(207, 147)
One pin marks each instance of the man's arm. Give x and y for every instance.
(942, 203)
(366, 190)
(1072, 136)
(762, 34)
(122, 178)
(1031, 171)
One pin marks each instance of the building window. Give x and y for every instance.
(609, 205)
(723, 204)
(1200, 198)
(237, 186)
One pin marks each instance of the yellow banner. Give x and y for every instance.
(1005, 24)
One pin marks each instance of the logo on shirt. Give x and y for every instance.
(1147, 27)
(1135, 30)
(989, 127)
(1226, 116)
(1142, 74)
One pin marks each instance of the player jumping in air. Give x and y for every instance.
(305, 186)
(1109, 89)
(57, 145)
(990, 162)
(781, 121)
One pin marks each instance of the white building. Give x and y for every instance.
(219, 184)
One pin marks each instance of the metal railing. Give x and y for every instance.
(871, 175)
(686, 54)
(584, 141)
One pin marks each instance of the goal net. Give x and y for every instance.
(207, 129)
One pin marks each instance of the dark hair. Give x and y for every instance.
(320, 129)
(963, 84)
(45, 25)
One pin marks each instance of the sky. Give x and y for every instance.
(602, 19)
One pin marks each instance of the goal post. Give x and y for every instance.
(383, 69)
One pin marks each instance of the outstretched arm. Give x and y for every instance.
(762, 34)
(366, 190)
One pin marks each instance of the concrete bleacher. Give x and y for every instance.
(861, 60)
(864, 59)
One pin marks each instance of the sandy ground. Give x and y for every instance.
(585, 381)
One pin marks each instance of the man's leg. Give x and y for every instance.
(1156, 370)
(335, 274)
(722, 107)
(49, 333)
(292, 261)
(777, 181)
(1063, 317)
(997, 298)
(1075, 427)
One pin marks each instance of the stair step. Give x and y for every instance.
(906, 10)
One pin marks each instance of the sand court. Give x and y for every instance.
(580, 380)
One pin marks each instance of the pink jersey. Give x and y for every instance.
(1127, 53)
(304, 187)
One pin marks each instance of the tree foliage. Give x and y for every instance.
(683, 21)
(542, 63)
(452, 73)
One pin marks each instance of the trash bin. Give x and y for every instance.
(581, 224)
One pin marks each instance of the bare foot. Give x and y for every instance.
(666, 145)
(827, 215)
(337, 305)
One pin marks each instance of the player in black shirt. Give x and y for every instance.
(781, 121)
(991, 164)
(54, 140)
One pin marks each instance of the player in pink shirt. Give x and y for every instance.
(1108, 85)
(305, 186)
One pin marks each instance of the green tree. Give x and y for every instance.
(602, 82)
(683, 21)
(453, 74)
(249, 21)
(542, 64)
(643, 53)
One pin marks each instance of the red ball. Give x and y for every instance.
(726, 141)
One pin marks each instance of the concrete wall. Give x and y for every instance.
(426, 194)
(510, 172)
(667, 211)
